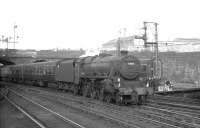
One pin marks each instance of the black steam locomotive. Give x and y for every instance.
(109, 78)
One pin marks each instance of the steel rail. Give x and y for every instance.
(114, 118)
(127, 123)
(184, 100)
(49, 110)
(177, 113)
(102, 114)
(172, 111)
(176, 105)
(25, 113)
(184, 111)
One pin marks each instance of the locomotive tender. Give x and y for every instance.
(109, 78)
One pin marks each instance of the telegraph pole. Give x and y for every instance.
(118, 46)
(118, 43)
(156, 48)
(119, 40)
(154, 43)
(9, 40)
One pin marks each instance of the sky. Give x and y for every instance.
(75, 24)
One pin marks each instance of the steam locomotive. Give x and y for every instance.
(121, 79)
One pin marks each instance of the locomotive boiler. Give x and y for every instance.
(118, 78)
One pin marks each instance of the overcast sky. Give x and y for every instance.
(48, 24)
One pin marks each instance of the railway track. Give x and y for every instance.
(39, 113)
(71, 105)
(14, 116)
(36, 121)
(183, 110)
(164, 119)
(162, 116)
(177, 115)
(118, 122)
(173, 99)
(193, 108)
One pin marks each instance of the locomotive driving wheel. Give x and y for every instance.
(75, 89)
(108, 98)
(85, 91)
(101, 95)
(98, 94)
(93, 94)
(141, 99)
(118, 99)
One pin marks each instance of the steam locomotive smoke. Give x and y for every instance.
(91, 52)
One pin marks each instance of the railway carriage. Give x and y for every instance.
(40, 73)
(105, 77)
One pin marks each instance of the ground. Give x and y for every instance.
(10, 117)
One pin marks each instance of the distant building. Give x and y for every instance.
(131, 44)
(185, 45)
(126, 43)
(187, 40)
